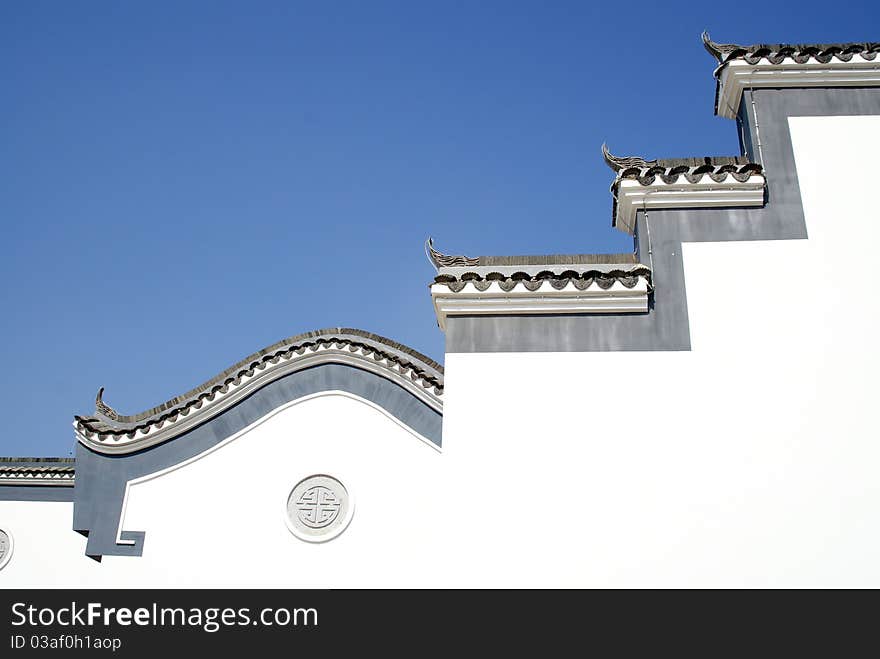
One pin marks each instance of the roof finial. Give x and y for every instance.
(717, 50)
(618, 163)
(441, 260)
(102, 409)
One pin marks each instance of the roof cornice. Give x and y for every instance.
(789, 65)
(107, 431)
(709, 182)
(551, 291)
(38, 472)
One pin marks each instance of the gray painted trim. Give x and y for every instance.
(763, 112)
(102, 479)
(36, 493)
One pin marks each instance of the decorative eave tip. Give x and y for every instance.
(619, 163)
(719, 51)
(102, 409)
(440, 260)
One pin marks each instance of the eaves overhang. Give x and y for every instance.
(538, 285)
(708, 182)
(37, 472)
(789, 65)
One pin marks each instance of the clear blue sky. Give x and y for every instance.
(182, 184)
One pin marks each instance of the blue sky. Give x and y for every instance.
(182, 184)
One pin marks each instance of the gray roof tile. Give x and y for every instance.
(800, 53)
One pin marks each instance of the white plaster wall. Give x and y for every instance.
(219, 520)
(46, 552)
(749, 461)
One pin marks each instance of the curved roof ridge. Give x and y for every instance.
(106, 419)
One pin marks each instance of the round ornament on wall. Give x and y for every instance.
(319, 508)
(6, 546)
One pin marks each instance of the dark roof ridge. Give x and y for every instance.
(441, 260)
(628, 163)
(7, 461)
(558, 259)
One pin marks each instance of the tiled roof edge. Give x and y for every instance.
(776, 53)
(37, 471)
(107, 419)
(634, 167)
(581, 279)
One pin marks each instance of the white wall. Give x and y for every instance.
(220, 519)
(749, 461)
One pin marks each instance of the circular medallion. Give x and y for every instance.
(319, 508)
(5, 548)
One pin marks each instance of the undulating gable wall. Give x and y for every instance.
(749, 459)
